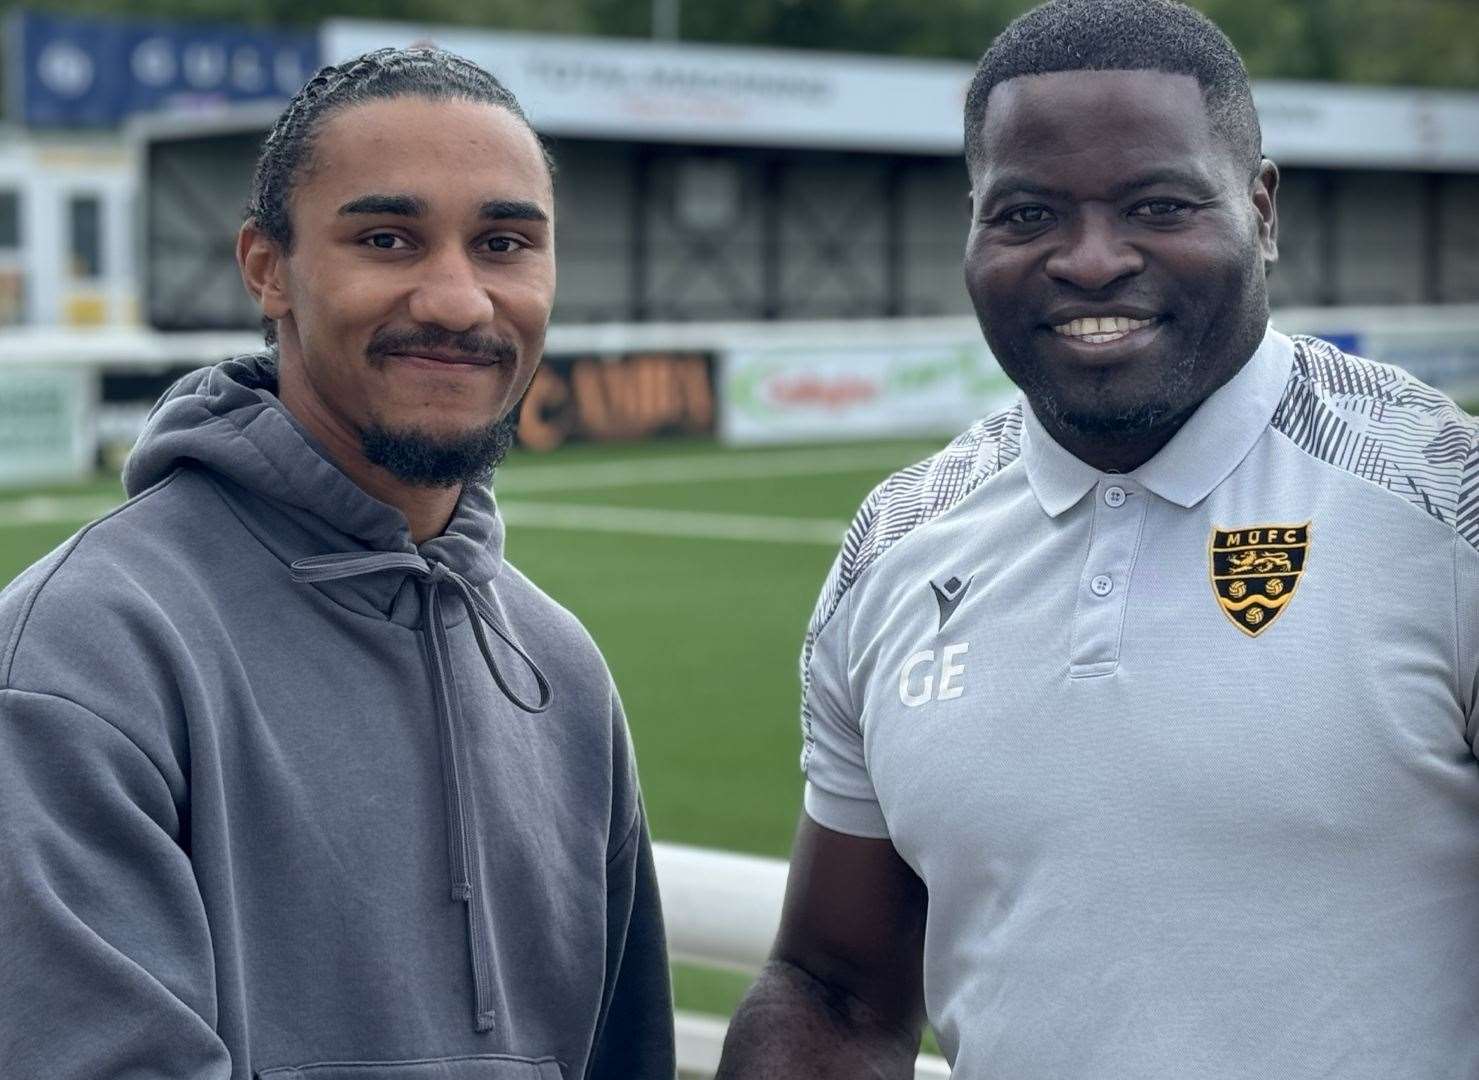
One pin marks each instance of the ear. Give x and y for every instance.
(1265, 192)
(263, 270)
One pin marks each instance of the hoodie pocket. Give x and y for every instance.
(478, 1067)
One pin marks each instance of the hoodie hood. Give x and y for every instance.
(228, 419)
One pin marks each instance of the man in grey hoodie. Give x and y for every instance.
(299, 778)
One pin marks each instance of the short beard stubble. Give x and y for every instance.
(440, 461)
(448, 460)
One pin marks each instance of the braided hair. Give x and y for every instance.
(1122, 35)
(420, 71)
(384, 73)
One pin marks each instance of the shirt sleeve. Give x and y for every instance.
(1466, 600)
(839, 792)
(103, 935)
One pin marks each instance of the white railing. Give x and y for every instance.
(722, 911)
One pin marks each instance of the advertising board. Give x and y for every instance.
(1437, 345)
(618, 398)
(688, 92)
(90, 71)
(1447, 361)
(47, 429)
(832, 392)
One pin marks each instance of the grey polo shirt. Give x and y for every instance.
(1184, 756)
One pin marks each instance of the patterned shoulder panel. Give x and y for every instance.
(1381, 424)
(902, 503)
(917, 494)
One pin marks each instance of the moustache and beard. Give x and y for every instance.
(1217, 327)
(441, 460)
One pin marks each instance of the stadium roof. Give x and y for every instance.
(637, 90)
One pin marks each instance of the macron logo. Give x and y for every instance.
(949, 595)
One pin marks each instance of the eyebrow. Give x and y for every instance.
(511, 210)
(1012, 184)
(411, 206)
(395, 205)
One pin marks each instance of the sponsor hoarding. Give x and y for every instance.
(1438, 346)
(1447, 361)
(835, 392)
(47, 424)
(78, 71)
(619, 398)
(574, 397)
(692, 93)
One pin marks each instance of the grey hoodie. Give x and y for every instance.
(276, 799)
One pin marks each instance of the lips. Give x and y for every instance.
(465, 359)
(433, 348)
(1100, 330)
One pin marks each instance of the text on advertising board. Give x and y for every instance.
(609, 399)
(84, 71)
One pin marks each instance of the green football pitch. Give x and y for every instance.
(695, 567)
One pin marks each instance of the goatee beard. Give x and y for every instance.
(440, 461)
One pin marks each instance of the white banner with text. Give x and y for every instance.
(810, 393)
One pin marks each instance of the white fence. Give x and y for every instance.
(722, 911)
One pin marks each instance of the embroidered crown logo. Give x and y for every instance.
(1255, 570)
(949, 595)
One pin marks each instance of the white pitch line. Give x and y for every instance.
(683, 524)
(743, 465)
(54, 509)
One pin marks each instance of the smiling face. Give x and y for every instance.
(1117, 252)
(414, 301)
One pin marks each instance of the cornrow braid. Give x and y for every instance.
(384, 73)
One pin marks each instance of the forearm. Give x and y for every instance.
(792, 1026)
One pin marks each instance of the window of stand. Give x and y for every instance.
(85, 237)
(12, 265)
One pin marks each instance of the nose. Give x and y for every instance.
(1092, 253)
(450, 295)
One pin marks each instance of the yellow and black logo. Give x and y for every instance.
(1255, 571)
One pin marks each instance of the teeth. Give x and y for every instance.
(1097, 331)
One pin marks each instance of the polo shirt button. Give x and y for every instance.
(1101, 585)
(1114, 496)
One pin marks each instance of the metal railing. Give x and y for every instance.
(722, 911)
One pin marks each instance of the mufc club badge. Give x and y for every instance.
(1255, 570)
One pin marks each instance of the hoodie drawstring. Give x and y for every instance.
(461, 854)
(479, 612)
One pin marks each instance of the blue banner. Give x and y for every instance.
(96, 72)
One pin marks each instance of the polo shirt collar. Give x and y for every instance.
(1209, 446)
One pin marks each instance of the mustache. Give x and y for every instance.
(469, 343)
